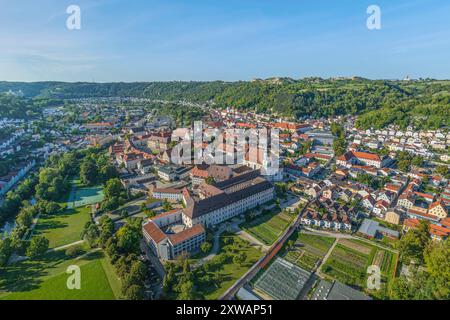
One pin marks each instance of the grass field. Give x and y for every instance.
(66, 227)
(268, 227)
(350, 259)
(308, 250)
(46, 279)
(229, 272)
(63, 228)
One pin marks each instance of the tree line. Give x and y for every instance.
(423, 103)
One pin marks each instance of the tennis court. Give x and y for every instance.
(80, 197)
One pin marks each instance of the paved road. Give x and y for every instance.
(345, 236)
(66, 246)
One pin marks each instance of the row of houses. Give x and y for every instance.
(9, 181)
(327, 221)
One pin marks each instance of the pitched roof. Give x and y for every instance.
(436, 204)
(186, 234)
(154, 232)
(168, 190)
(252, 186)
(366, 156)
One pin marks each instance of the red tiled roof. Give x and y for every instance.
(186, 234)
(100, 124)
(245, 125)
(445, 222)
(433, 228)
(197, 172)
(382, 203)
(288, 126)
(318, 156)
(345, 157)
(366, 155)
(168, 190)
(435, 204)
(168, 213)
(418, 213)
(392, 187)
(424, 195)
(154, 232)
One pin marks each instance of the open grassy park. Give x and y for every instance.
(350, 259)
(63, 228)
(269, 226)
(66, 227)
(308, 250)
(45, 279)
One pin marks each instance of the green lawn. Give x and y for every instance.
(63, 228)
(229, 272)
(46, 279)
(268, 227)
(66, 227)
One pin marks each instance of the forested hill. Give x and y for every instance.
(425, 103)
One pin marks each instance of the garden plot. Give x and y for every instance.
(350, 259)
(308, 250)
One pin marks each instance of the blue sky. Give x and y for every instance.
(147, 40)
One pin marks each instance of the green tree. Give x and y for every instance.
(89, 171)
(134, 292)
(25, 216)
(74, 251)
(187, 291)
(205, 247)
(412, 245)
(38, 246)
(108, 172)
(443, 170)
(91, 234)
(167, 206)
(113, 188)
(128, 239)
(437, 261)
(5, 251)
(240, 258)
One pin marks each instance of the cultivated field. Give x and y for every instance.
(350, 259)
(268, 227)
(308, 250)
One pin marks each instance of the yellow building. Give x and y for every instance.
(438, 209)
(393, 217)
